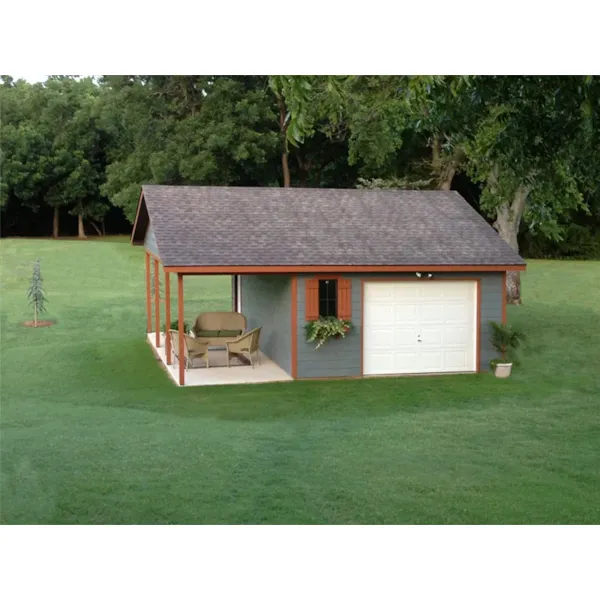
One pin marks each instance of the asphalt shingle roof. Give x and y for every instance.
(238, 226)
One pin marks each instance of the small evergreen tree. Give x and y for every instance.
(35, 294)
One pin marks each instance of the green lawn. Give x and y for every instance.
(93, 431)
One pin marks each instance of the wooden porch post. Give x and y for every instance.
(157, 302)
(168, 315)
(180, 328)
(148, 296)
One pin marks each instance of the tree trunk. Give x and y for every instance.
(80, 229)
(304, 167)
(446, 181)
(448, 171)
(286, 168)
(35, 313)
(436, 152)
(283, 125)
(96, 228)
(508, 219)
(55, 223)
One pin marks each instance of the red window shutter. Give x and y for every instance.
(344, 299)
(312, 299)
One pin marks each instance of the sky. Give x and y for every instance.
(29, 78)
(32, 78)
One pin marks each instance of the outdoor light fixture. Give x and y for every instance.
(418, 274)
(429, 275)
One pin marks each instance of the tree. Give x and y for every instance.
(53, 151)
(441, 110)
(193, 130)
(35, 293)
(79, 151)
(23, 146)
(296, 119)
(526, 148)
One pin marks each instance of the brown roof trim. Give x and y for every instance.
(232, 269)
(137, 216)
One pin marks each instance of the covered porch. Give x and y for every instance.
(160, 309)
(219, 373)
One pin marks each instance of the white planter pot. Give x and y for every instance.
(503, 370)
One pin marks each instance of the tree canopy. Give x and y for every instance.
(523, 150)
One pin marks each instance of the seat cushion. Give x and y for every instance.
(229, 332)
(207, 333)
(215, 321)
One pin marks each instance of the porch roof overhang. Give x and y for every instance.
(296, 269)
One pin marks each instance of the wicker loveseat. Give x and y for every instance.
(217, 328)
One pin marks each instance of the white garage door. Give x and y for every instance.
(419, 327)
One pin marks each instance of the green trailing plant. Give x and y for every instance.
(35, 293)
(506, 340)
(175, 325)
(323, 328)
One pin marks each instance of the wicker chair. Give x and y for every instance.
(245, 344)
(192, 348)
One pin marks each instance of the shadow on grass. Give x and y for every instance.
(123, 373)
(132, 378)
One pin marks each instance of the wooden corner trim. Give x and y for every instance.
(155, 257)
(180, 329)
(157, 301)
(504, 297)
(294, 329)
(137, 216)
(168, 318)
(362, 327)
(322, 269)
(478, 328)
(148, 293)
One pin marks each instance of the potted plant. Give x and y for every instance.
(175, 325)
(505, 339)
(326, 327)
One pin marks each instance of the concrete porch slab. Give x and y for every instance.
(218, 373)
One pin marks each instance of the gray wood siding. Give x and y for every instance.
(337, 358)
(492, 291)
(150, 241)
(266, 303)
(341, 358)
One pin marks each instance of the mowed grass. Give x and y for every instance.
(93, 431)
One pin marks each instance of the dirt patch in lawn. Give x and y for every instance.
(39, 323)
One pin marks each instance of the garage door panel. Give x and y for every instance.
(379, 293)
(432, 313)
(410, 292)
(384, 315)
(458, 313)
(430, 361)
(380, 363)
(431, 336)
(457, 336)
(404, 337)
(405, 313)
(457, 290)
(455, 360)
(439, 313)
(405, 362)
(381, 338)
